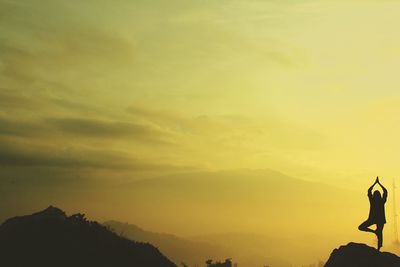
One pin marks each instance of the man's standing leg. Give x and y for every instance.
(379, 234)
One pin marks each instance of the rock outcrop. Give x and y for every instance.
(361, 255)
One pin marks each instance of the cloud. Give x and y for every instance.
(96, 128)
(83, 127)
(16, 128)
(234, 132)
(12, 99)
(163, 118)
(70, 52)
(23, 154)
(16, 63)
(42, 48)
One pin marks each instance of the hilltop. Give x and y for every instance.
(354, 254)
(51, 238)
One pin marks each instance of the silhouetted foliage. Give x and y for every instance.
(226, 263)
(50, 238)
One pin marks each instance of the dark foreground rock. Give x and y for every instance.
(51, 238)
(361, 255)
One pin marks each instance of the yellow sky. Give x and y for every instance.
(305, 87)
(105, 92)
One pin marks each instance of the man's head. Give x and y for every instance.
(377, 195)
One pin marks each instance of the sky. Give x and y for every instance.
(95, 94)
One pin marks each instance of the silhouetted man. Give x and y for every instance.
(376, 212)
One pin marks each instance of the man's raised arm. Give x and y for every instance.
(385, 192)
(371, 187)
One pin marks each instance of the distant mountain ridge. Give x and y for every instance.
(265, 202)
(354, 255)
(50, 238)
(175, 248)
(195, 250)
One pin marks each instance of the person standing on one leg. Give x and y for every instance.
(376, 212)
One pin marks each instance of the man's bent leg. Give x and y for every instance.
(364, 227)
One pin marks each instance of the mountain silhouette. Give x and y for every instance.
(51, 238)
(262, 202)
(246, 249)
(354, 255)
(176, 248)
